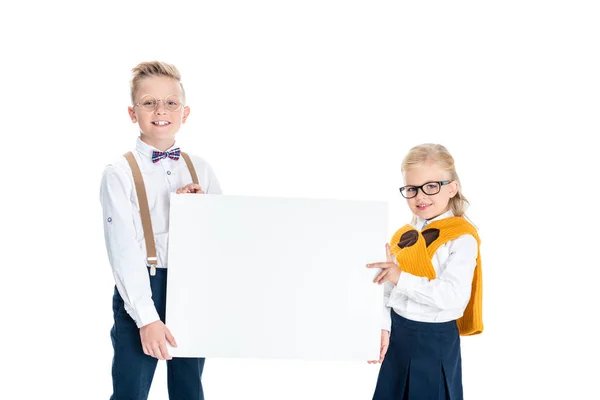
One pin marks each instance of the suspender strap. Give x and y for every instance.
(140, 189)
(144, 211)
(190, 167)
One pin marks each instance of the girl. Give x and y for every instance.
(432, 279)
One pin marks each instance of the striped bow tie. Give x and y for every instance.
(159, 155)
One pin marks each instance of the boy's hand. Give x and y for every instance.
(190, 188)
(385, 343)
(153, 338)
(389, 270)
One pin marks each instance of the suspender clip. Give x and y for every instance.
(152, 261)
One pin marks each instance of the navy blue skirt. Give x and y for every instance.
(422, 362)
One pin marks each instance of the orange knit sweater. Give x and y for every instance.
(414, 251)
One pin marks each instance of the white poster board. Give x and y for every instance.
(275, 277)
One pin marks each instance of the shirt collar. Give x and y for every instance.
(421, 221)
(146, 150)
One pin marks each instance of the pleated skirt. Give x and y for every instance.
(423, 362)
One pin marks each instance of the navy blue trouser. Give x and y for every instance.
(132, 370)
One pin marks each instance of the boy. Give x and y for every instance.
(139, 334)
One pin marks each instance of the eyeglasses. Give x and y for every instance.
(429, 188)
(150, 103)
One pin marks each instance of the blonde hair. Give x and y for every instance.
(153, 68)
(439, 155)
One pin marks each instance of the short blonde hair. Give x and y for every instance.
(153, 68)
(439, 155)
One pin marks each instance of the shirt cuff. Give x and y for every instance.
(386, 324)
(146, 315)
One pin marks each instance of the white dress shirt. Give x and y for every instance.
(441, 299)
(123, 230)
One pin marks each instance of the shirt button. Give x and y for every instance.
(168, 172)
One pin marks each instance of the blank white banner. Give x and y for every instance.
(275, 277)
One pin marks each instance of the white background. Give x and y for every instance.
(319, 99)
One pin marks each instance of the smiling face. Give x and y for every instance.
(429, 206)
(158, 127)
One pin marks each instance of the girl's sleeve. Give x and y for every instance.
(452, 288)
(387, 318)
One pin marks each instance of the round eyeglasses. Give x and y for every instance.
(150, 103)
(429, 188)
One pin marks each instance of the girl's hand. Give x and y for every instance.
(385, 343)
(389, 270)
(190, 188)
